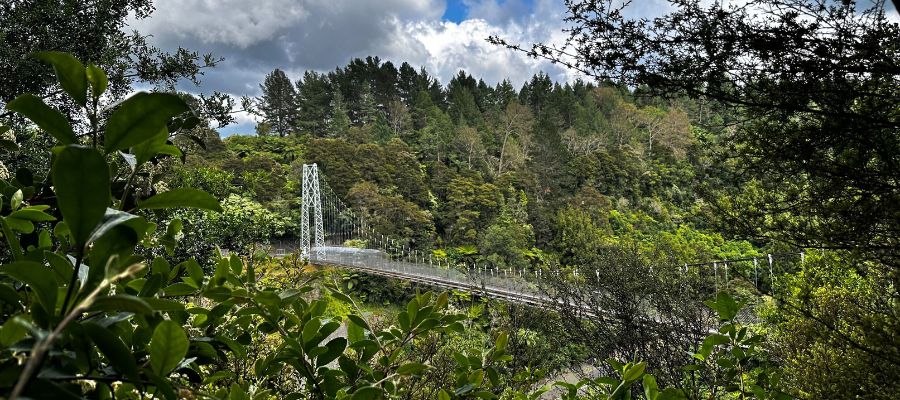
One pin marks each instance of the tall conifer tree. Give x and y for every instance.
(278, 103)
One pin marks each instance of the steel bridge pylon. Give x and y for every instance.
(311, 199)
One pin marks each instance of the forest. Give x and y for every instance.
(729, 215)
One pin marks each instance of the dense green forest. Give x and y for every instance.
(137, 256)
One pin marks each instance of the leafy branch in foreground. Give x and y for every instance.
(80, 317)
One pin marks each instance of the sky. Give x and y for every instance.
(444, 36)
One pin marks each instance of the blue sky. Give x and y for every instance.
(456, 11)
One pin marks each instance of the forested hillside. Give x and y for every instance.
(498, 173)
(713, 216)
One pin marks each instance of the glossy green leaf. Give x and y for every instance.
(81, 181)
(20, 225)
(98, 80)
(148, 149)
(651, 389)
(502, 340)
(121, 302)
(16, 200)
(140, 118)
(366, 393)
(335, 348)
(48, 119)
(168, 347)
(31, 214)
(672, 394)
(37, 277)
(635, 372)
(356, 319)
(355, 332)
(179, 289)
(182, 198)
(112, 347)
(69, 72)
(412, 368)
(725, 306)
(163, 304)
(12, 331)
(111, 219)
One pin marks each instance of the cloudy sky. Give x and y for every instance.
(444, 36)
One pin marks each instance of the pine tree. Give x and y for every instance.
(368, 109)
(278, 103)
(338, 121)
(314, 100)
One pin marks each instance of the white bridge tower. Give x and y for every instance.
(311, 199)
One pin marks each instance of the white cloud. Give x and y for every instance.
(450, 47)
(255, 38)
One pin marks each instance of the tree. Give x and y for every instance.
(314, 97)
(338, 120)
(278, 103)
(470, 204)
(399, 118)
(815, 160)
(507, 240)
(95, 32)
(468, 143)
(513, 132)
(816, 79)
(366, 110)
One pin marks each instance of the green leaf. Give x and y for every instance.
(98, 80)
(651, 389)
(179, 289)
(182, 198)
(149, 148)
(412, 368)
(709, 343)
(81, 181)
(502, 340)
(122, 302)
(12, 331)
(461, 359)
(112, 347)
(356, 319)
(725, 306)
(672, 394)
(38, 278)
(20, 225)
(237, 393)
(366, 393)
(355, 332)
(69, 72)
(140, 118)
(342, 297)
(168, 346)
(634, 373)
(48, 119)
(16, 200)
(163, 304)
(31, 214)
(111, 219)
(335, 347)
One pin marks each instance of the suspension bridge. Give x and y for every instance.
(333, 234)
